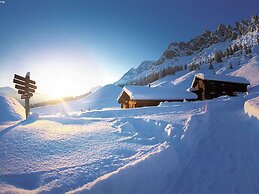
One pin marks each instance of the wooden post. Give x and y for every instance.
(27, 102)
(27, 107)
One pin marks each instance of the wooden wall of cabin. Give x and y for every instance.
(143, 103)
(214, 89)
(199, 88)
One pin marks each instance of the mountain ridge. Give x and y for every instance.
(192, 51)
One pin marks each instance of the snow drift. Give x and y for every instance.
(252, 107)
(10, 110)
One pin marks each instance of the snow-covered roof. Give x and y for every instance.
(223, 78)
(157, 93)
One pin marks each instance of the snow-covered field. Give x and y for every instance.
(93, 146)
(173, 148)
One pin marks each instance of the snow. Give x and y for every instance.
(104, 97)
(250, 69)
(10, 110)
(252, 107)
(205, 155)
(57, 153)
(157, 93)
(177, 147)
(224, 78)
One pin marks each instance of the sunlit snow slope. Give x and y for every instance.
(104, 97)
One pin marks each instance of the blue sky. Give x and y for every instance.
(83, 43)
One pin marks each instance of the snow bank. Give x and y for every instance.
(10, 110)
(252, 107)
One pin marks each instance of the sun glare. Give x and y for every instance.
(67, 73)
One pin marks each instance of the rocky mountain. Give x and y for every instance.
(200, 49)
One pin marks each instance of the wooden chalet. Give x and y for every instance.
(140, 96)
(213, 86)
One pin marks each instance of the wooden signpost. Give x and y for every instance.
(26, 87)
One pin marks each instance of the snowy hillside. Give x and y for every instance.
(200, 50)
(104, 97)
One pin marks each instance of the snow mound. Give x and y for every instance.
(252, 107)
(10, 110)
(106, 93)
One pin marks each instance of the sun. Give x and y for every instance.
(67, 72)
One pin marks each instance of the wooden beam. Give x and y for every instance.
(23, 84)
(24, 96)
(32, 86)
(19, 87)
(21, 91)
(16, 81)
(23, 79)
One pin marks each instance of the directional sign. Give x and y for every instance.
(26, 87)
(23, 79)
(24, 96)
(16, 81)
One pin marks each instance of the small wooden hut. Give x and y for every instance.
(140, 96)
(212, 86)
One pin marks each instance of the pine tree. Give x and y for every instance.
(230, 65)
(210, 65)
(235, 48)
(249, 50)
(230, 50)
(246, 49)
(218, 56)
(226, 53)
